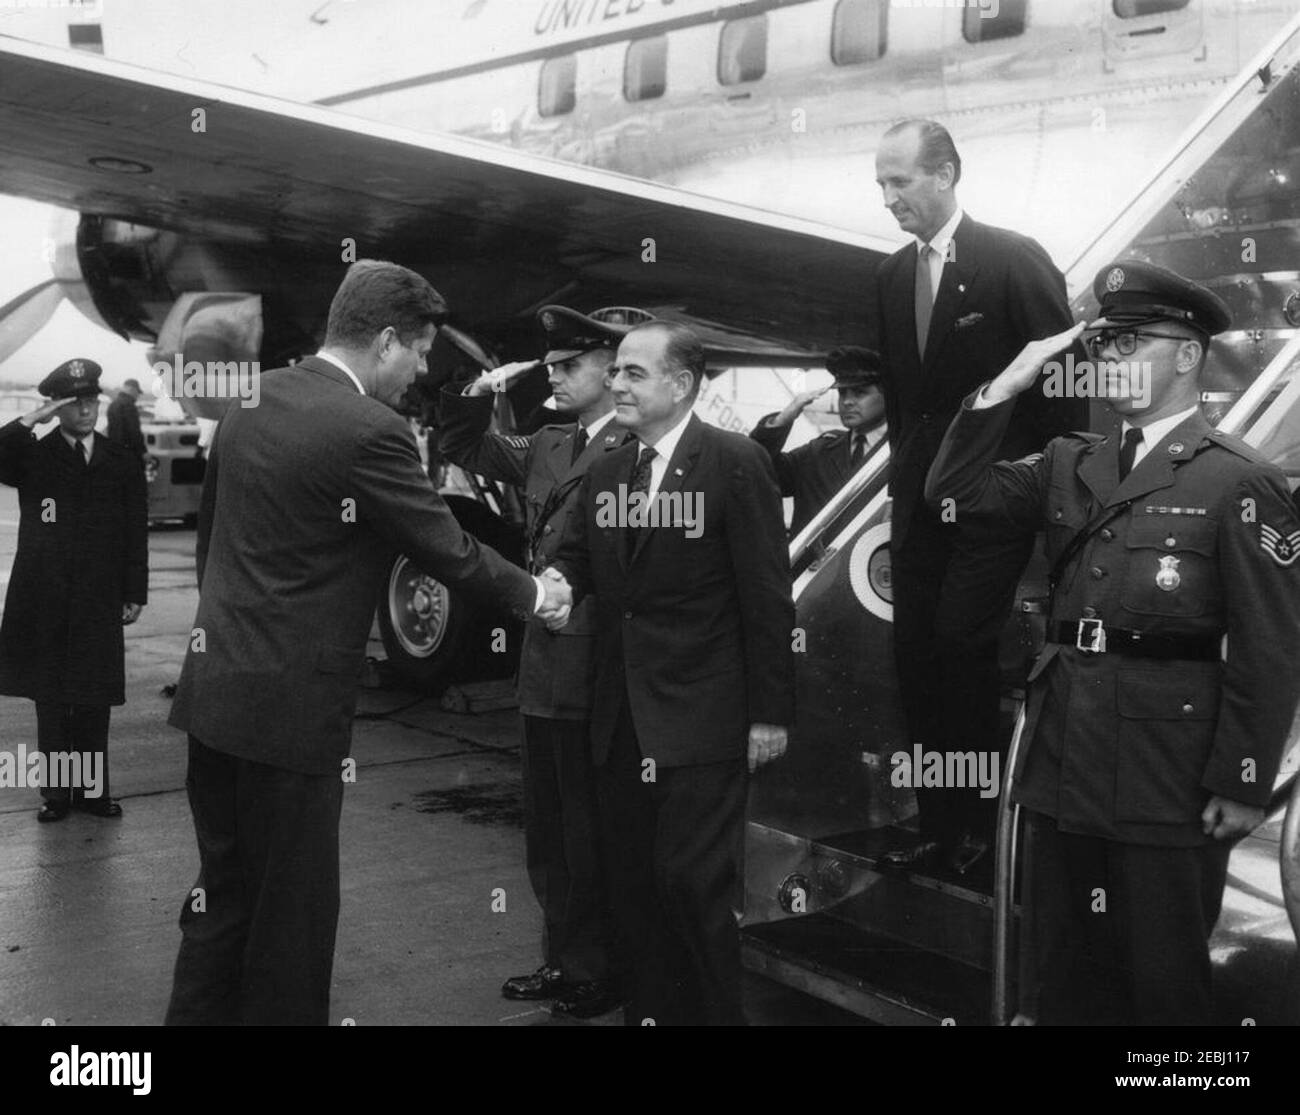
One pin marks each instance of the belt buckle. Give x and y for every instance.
(1094, 632)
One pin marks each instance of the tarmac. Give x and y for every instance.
(431, 834)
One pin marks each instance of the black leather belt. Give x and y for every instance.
(1094, 637)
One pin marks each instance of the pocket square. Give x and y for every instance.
(967, 320)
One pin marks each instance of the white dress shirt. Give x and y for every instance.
(88, 441)
(1155, 432)
(939, 242)
(332, 359)
(664, 449)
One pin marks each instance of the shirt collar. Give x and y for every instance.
(667, 445)
(87, 441)
(329, 357)
(599, 424)
(1155, 432)
(941, 239)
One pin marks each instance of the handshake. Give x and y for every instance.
(557, 602)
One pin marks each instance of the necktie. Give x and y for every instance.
(1128, 451)
(83, 454)
(859, 453)
(924, 297)
(641, 473)
(640, 483)
(579, 442)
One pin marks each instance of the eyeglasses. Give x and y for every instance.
(1125, 340)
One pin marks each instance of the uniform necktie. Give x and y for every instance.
(924, 297)
(1128, 450)
(859, 453)
(579, 442)
(83, 454)
(640, 483)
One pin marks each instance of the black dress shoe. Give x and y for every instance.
(587, 1000)
(921, 857)
(100, 807)
(545, 983)
(52, 811)
(968, 851)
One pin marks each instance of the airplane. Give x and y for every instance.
(217, 200)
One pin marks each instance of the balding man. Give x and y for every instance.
(680, 536)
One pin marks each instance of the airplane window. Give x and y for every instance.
(1135, 9)
(858, 31)
(645, 71)
(86, 36)
(982, 23)
(556, 94)
(742, 50)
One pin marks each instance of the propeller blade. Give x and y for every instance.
(25, 316)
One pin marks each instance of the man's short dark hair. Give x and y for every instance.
(937, 146)
(375, 294)
(683, 349)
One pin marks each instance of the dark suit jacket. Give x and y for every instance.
(1130, 748)
(695, 631)
(124, 424)
(83, 552)
(999, 291)
(308, 498)
(556, 669)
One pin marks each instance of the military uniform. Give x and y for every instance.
(83, 552)
(556, 669)
(1138, 711)
(816, 470)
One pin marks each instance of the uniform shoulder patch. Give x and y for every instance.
(1282, 548)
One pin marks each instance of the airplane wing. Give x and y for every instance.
(498, 232)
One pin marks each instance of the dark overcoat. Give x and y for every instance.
(83, 551)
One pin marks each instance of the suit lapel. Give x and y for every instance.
(679, 467)
(959, 274)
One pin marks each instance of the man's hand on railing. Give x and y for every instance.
(1225, 819)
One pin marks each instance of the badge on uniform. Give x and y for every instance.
(1168, 577)
(1282, 548)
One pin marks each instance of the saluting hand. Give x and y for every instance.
(131, 613)
(1022, 372)
(1225, 819)
(500, 379)
(798, 405)
(766, 743)
(46, 410)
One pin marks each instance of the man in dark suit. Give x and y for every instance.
(81, 572)
(1151, 743)
(309, 495)
(561, 828)
(815, 471)
(953, 307)
(680, 537)
(124, 419)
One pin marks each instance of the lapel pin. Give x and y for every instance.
(961, 288)
(677, 472)
(609, 439)
(1176, 447)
